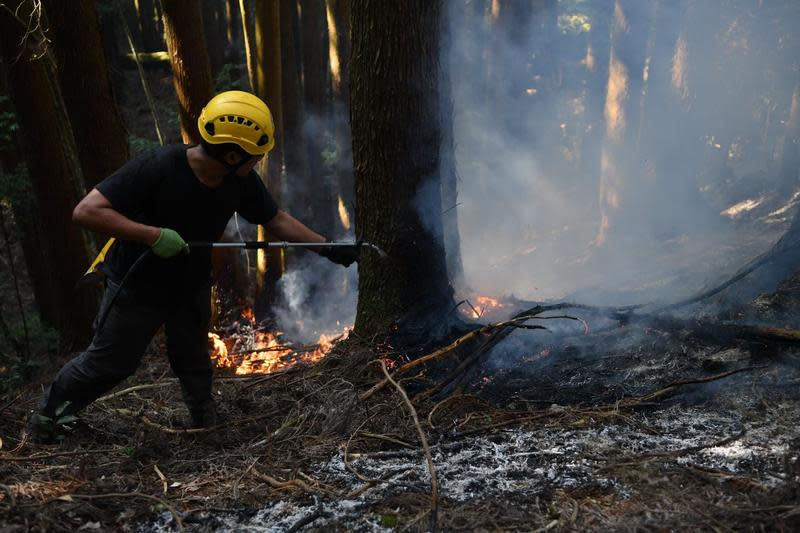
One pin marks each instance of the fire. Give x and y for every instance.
(264, 352)
(481, 306)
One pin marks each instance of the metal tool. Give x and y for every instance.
(259, 245)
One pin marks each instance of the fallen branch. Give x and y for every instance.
(292, 484)
(676, 384)
(424, 440)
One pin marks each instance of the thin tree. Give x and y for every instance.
(191, 71)
(249, 43)
(86, 87)
(52, 160)
(268, 79)
(397, 136)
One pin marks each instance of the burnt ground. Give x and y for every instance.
(638, 423)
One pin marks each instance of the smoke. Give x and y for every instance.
(316, 297)
(603, 147)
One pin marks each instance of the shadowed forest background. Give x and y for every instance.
(508, 155)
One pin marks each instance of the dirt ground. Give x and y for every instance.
(634, 425)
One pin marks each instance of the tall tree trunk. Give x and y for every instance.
(267, 38)
(86, 87)
(108, 25)
(56, 176)
(231, 24)
(297, 193)
(317, 125)
(447, 168)
(625, 72)
(17, 189)
(397, 135)
(151, 39)
(249, 43)
(214, 27)
(191, 71)
(339, 60)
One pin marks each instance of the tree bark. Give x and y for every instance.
(146, 12)
(18, 191)
(52, 161)
(267, 38)
(191, 71)
(249, 44)
(86, 87)
(447, 168)
(214, 28)
(231, 24)
(297, 193)
(397, 136)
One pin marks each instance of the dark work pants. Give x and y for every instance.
(120, 343)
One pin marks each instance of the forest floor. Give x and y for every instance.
(615, 424)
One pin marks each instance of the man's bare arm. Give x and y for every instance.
(96, 213)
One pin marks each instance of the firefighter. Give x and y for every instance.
(159, 201)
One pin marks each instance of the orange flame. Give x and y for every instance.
(269, 353)
(481, 306)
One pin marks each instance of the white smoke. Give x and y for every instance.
(530, 123)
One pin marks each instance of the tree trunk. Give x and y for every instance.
(267, 38)
(52, 161)
(231, 24)
(447, 168)
(191, 71)
(297, 193)
(626, 65)
(146, 11)
(108, 24)
(249, 43)
(397, 135)
(339, 60)
(86, 87)
(317, 117)
(214, 28)
(17, 189)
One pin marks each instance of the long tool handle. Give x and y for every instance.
(259, 245)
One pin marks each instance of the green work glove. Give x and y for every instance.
(169, 244)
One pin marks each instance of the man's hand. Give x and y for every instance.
(342, 255)
(169, 244)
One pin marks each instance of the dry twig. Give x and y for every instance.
(424, 440)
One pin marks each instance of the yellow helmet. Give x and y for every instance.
(240, 118)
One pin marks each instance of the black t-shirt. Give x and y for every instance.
(160, 189)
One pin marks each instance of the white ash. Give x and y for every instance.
(518, 463)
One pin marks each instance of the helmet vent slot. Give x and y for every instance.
(262, 141)
(210, 128)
